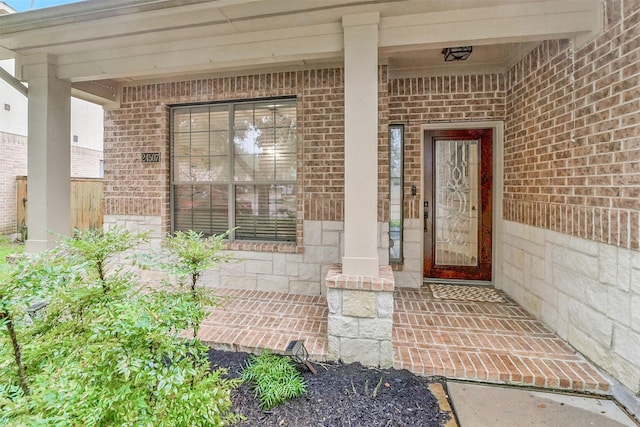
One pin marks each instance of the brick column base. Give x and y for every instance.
(360, 317)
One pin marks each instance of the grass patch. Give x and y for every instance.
(8, 248)
(274, 378)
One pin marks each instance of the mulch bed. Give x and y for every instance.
(340, 395)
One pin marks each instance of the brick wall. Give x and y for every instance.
(572, 137)
(85, 162)
(322, 122)
(572, 195)
(383, 145)
(417, 101)
(13, 162)
(141, 124)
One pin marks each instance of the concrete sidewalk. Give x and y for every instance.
(481, 405)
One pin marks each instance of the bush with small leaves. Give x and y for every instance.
(190, 253)
(104, 351)
(274, 378)
(187, 255)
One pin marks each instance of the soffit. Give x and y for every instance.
(145, 39)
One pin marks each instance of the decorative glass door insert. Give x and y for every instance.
(456, 201)
(458, 204)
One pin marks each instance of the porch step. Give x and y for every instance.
(253, 321)
(485, 341)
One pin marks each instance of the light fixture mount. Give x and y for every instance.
(460, 53)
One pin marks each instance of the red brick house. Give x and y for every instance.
(336, 132)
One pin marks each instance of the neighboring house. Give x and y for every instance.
(86, 142)
(353, 158)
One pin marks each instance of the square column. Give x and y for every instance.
(361, 144)
(49, 158)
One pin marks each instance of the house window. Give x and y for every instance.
(234, 166)
(396, 139)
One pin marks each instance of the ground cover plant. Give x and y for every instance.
(8, 248)
(340, 395)
(274, 378)
(104, 351)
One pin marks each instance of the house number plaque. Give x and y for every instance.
(150, 157)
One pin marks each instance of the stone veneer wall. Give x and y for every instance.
(587, 292)
(360, 320)
(290, 272)
(422, 100)
(571, 251)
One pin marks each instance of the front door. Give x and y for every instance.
(458, 204)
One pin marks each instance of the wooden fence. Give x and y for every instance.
(86, 203)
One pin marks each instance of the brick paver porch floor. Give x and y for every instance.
(255, 320)
(485, 341)
(479, 341)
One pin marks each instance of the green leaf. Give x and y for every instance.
(274, 378)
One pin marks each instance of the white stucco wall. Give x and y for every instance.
(14, 120)
(87, 123)
(87, 119)
(587, 292)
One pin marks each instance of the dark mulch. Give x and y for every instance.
(340, 395)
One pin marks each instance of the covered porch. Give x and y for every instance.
(456, 333)
(553, 79)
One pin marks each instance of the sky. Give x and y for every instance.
(23, 5)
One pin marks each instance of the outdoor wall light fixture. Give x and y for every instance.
(298, 352)
(461, 53)
(36, 311)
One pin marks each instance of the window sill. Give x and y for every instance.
(280, 247)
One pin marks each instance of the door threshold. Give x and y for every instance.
(428, 280)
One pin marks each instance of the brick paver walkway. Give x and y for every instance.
(478, 341)
(485, 341)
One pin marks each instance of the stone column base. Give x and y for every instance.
(360, 317)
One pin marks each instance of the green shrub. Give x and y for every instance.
(187, 255)
(104, 351)
(190, 253)
(8, 248)
(274, 378)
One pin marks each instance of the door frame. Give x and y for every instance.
(497, 126)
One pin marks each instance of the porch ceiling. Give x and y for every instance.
(127, 40)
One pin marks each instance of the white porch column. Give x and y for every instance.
(49, 157)
(361, 144)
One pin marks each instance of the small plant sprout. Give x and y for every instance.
(187, 256)
(190, 253)
(101, 250)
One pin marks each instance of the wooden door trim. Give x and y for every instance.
(485, 224)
